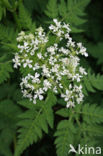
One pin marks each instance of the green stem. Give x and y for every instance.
(14, 141)
(71, 114)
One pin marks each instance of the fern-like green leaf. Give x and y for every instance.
(34, 122)
(25, 20)
(76, 13)
(2, 10)
(7, 34)
(5, 69)
(8, 118)
(92, 114)
(64, 137)
(87, 120)
(93, 82)
(52, 9)
(72, 11)
(8, 114)
(63, 112)
(92, 130)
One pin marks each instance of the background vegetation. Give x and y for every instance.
(29, 130)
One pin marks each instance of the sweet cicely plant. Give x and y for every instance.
(50, 61)
(51, 92)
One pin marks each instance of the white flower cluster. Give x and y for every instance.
(51, 62)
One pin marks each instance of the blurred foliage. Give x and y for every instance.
(23, 126)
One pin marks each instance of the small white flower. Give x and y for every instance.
(46, 71)
(77, 77)
(82, 71)
(47, 85)
(36, 66)
(36, 79)
(70, 104)
(82, 49)
(55, 90)
(70, 86)
(51, 50)
(58, 24)
(22, 33)
(67, 27)
(28, 63)
(40, 56)
(60, 85)
(79, 45)
(16, 60)
(39, 94)
(31, 36)
(67, 36)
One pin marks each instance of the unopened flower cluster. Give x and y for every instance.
(51, 62)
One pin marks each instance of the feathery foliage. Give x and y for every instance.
(34, 121)
(65, 136)
(74, 9)
(25, 20)
(73, 132)
(52, 9)
(8, 119)
(7, 34)
(5, 69)
(92, 82)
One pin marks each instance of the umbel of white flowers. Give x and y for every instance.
(50, 62)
